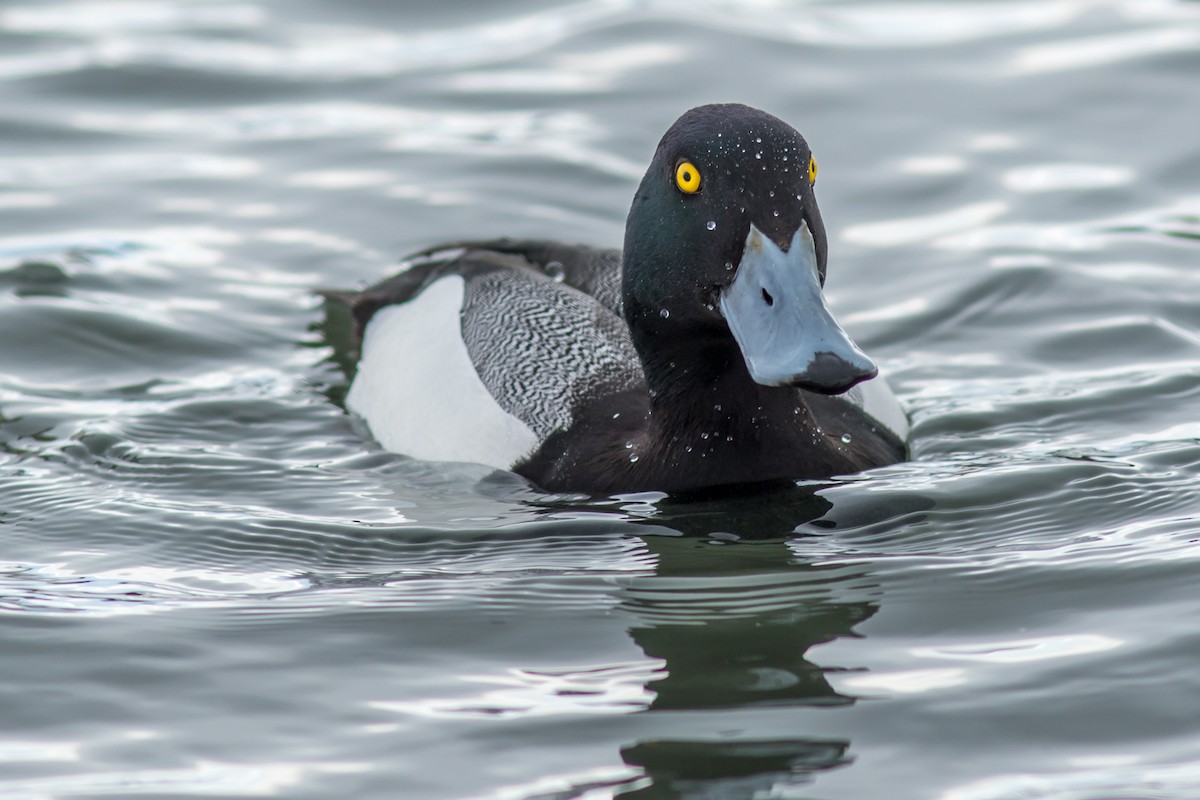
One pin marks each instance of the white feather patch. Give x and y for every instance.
(418, 390)
(876, 400)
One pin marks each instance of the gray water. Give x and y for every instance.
(213, 584)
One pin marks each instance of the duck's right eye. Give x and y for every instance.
(687, 177)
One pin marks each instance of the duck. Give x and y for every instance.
(700, 356)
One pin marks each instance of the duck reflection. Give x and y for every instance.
(733, 770)
(737, 635)
(733, 613)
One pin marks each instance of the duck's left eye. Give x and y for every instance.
(687, 177)
(812, 170)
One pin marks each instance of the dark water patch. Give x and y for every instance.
(109, 341)
(677, 768)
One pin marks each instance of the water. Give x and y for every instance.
(212, 585)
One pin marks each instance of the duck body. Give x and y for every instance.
(701, 355)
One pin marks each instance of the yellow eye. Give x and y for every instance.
(687, 177)
(812, 170)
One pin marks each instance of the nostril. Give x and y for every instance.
(767, 296)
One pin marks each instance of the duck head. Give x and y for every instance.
(724, 244)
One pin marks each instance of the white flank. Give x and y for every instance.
(875, 398)
(418, 390)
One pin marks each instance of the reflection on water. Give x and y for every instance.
(736, 635)
(694, 770)
(731, 615)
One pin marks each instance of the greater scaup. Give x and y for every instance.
(703, 355)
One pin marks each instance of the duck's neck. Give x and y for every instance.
(709, 386)
(709, 418)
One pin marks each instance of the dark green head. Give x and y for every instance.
(724, 242)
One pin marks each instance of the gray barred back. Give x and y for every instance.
(543, 348)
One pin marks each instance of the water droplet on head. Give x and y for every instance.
(729, 266)
(703, 435)
(633, 458)
(717, 407)
(845, 438)
(629, 445)
(616, 415)
(771, 193)
(556, 271)
(775, 212)
(758, 139)
(711, 225)
(688, 448)
(758, 155)
(664, 313)
(729, 438)
(785, 158)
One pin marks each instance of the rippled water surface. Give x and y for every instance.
(213, 585)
